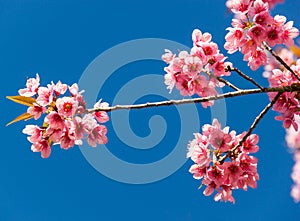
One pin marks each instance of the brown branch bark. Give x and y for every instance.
(239, 72)
(280, 60)
(294, 87)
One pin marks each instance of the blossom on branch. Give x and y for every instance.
(67, 121)
(222, 162)
(252, 26)
(196, 72)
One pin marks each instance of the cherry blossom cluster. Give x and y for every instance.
(252, 26)
(185, 71)
(67, 121)
(293, 141)
(288, 103)
(222, 162)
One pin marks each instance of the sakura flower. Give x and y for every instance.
(32, 86)
(74, 90)
(66, 106)
(43, 147)
(35, 133)
(198, 38)
(45, 95)
(60, 88)
(97, 135)
(67, 121)
(68, 138)
(101, 116)
(168, 56)
(36, 111)
(55, 120)
(220, 164)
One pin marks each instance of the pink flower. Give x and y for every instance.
(66, 106)
(80, 128)
(97, 135)
(74, 90)
(220, 140)
(35, 133)
(216, 174)
(250, 145)
(32, 86)
(199, 38)
(168, 56)
(101, 116)
(45, 95)
(54, 134)
(43, 147)
(225, 194)
(60, 88)
(36, 111)
(201, 154)
(256, 59)
(257, 33)
(289, 33)
(67, 139)
(55, 120)
(238, 6)
(234, 39)
(197, 171)
(247, 163)
(232, 173)
(295, 193)
(274, 36)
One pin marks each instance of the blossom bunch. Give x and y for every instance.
(253, 26)
(293, 141)
(185, 70)
(288, 103)
(67, 121)
(222, 160)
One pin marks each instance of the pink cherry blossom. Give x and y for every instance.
(68, 138)
(97, 135)
(101, 116)
(252, 26)
(60, 88)
(66, 106)
(34, 131)
(43, 147)
(45, 95)
(186, 71)
(67, 121)
(210, 152)
(36, 111)
(32, 86)
(55, 120)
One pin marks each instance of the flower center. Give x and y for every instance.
(67, 107)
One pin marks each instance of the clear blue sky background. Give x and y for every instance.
(59, 39)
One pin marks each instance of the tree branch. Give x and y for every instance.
(245, 76)
(280, 60)
(293, 87)
(221, 80)
(252, 127)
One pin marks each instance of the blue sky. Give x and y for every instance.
(59, 39)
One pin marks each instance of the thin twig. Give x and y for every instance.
(252, 127)
(280, 60)
(222, 80)
(245, 76)
(293, 87)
